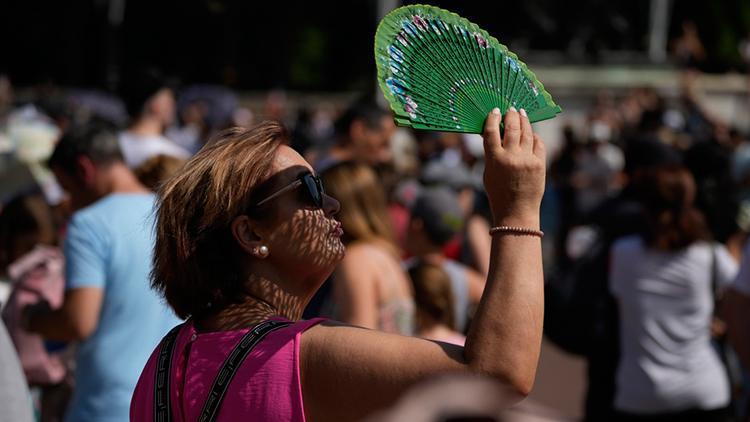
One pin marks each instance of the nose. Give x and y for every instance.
(331, 206)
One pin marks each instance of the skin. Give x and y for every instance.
(368, 277)
(78, 316)
(348, 372)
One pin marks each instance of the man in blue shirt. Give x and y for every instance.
(108, 307)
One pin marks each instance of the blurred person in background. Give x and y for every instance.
(362, 134)
(433, 295)
(108, 306)
(736, 311)
(664, 281)
(436, 219)
(203, 110)
(6, 97)
(151, 105)
(456, 177)
(30, 257)
(580, 312)
(240, 261)
(154, 171)
(370, 288)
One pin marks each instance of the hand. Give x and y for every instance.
(514, 170)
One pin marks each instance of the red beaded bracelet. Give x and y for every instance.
(519, 231)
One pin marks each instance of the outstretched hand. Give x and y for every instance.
(515, 166)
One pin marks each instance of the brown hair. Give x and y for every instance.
(154, 171)
(433, 293)
(25, 221)
(195, 260)
(364, 209)
(668, 193)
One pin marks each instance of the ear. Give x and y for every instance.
(357, 129)
(85, 170)
(245, 235)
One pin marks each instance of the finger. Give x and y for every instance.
(512, 136)
(527, 134)
(540, 150)
(491, 135)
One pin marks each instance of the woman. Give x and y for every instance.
(32, 261)
(370, 288)
(435, 303)
(245, 234)
(664, 281)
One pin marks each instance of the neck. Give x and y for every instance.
(435, 330)
(147, 126)
(122, 180)
(264, 299)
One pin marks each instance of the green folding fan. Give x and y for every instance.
(441, 72)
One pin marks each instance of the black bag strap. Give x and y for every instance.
(233, 362)
(716, 291)
(162, 408)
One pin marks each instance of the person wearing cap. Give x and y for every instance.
(436, 218)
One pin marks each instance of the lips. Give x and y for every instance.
(337, 229)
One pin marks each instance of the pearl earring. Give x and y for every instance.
(263, 251)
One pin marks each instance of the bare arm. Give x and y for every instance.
(76, 319)
(348, 372)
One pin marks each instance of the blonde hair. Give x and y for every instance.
(195, 266)
(433, 293)
(364, 209)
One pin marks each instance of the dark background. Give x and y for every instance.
(320, 45)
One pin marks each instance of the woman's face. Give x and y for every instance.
(301, 237)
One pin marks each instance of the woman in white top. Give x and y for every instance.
(663, 281)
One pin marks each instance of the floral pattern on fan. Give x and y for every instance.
(439, 71)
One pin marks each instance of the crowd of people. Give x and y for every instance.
(175, 207)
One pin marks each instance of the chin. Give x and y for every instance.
(337, 253)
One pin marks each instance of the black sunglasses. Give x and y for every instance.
(313, 194)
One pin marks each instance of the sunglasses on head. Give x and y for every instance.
(313, 192)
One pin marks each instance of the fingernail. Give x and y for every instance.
(496, 111)
(513, 109)
(523, 113)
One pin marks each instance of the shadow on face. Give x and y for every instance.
(302, 238)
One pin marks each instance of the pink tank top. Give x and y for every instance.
(266, 387)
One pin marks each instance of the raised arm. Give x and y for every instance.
(349, 372)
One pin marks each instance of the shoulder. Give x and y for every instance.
(103, 209)
(366, 252)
